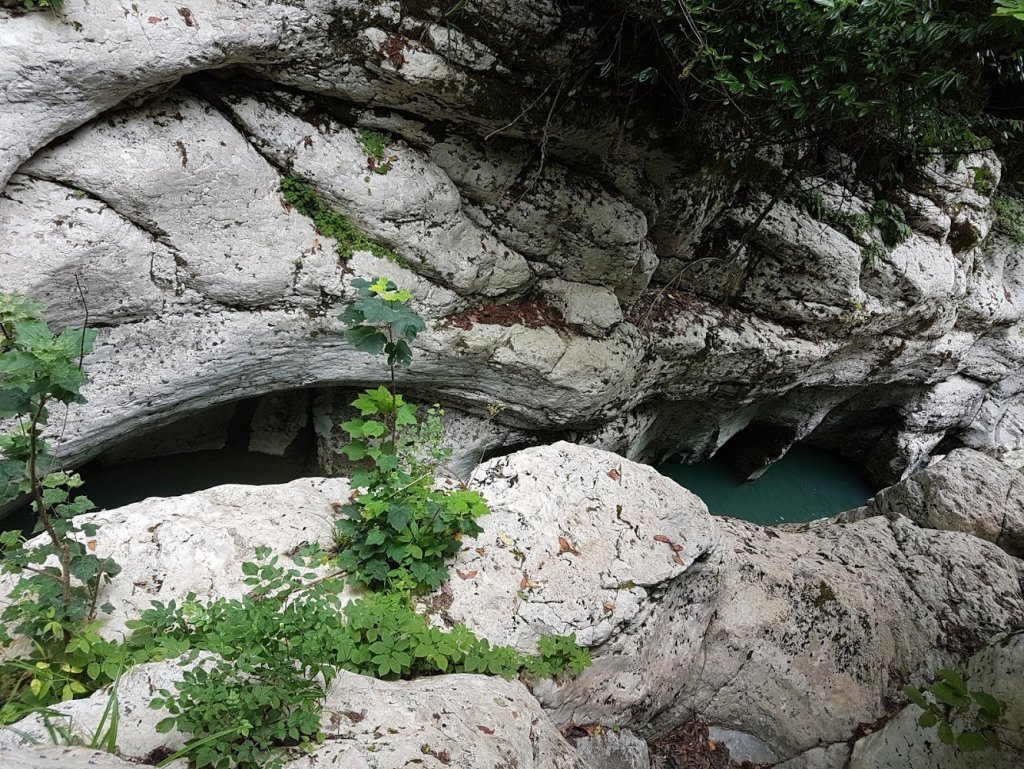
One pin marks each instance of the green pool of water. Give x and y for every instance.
(806, 484)
(169, 476)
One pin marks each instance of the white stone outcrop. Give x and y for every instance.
(964, 491)
(789, 636)
(813, 630)
(904, 744)
(64, 757)
(162, 220)
(170, 547)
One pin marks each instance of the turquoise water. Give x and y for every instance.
(805, 484)
(169, 476)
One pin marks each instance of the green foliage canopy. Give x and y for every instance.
(902, 76)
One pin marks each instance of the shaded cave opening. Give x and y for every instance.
(764, 475)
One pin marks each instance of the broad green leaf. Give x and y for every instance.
(971, 742)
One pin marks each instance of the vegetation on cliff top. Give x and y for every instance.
(894, 78)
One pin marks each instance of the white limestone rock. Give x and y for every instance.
(965, 491)
(903, 744)
(185, 174)
(593, 308)
(459, 721)
(613, 749)
(563, 222)
(64, 757)
(576, 541)
(414, 206)
(195, 543)
(581, 541)
(56, 73)
(814, 629)
(57, 240)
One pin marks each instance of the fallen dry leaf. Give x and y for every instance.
(608, 607)
(614, 474)
(678, 560)
(565, 547)
(481, 551)
(466, 574)
(154, 19)
(662, 538)
(91, 544)
(485, 729)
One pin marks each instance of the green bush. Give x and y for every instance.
(56, 599)
(397, 534)
(897, 78)
(1010, 218)
(948, 701)
(279, 647)
(375, 144)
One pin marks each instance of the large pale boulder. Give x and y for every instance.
(195, 543)
(64, 757)
(189, 179)
(815, 630)
(904, 744)
(581, 541)
(964, 491)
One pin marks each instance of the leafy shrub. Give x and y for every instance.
(1010, 218)
(948, 701)
(329, 222)
(397, 534)
(984, 180)
(55, 601)
(899, 78)
(281, 645)
(374, 144)
(891, 222)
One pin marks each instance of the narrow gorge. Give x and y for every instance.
(746, 409)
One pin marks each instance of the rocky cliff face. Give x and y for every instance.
(590, 270)
(788, 641)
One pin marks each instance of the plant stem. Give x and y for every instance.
(393, 416)
(64, 552)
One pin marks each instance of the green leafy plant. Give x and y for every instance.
(55, 602)
(329, 222)
(397, 533)
(276, 650)
(984, 180)
(1010, 217)
(38, 4)
(1011, 8)
(375, 144)
(891, 222)
(948, 703)
(901, 79)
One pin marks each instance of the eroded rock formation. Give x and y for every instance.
(786, 638)
(143, 155)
